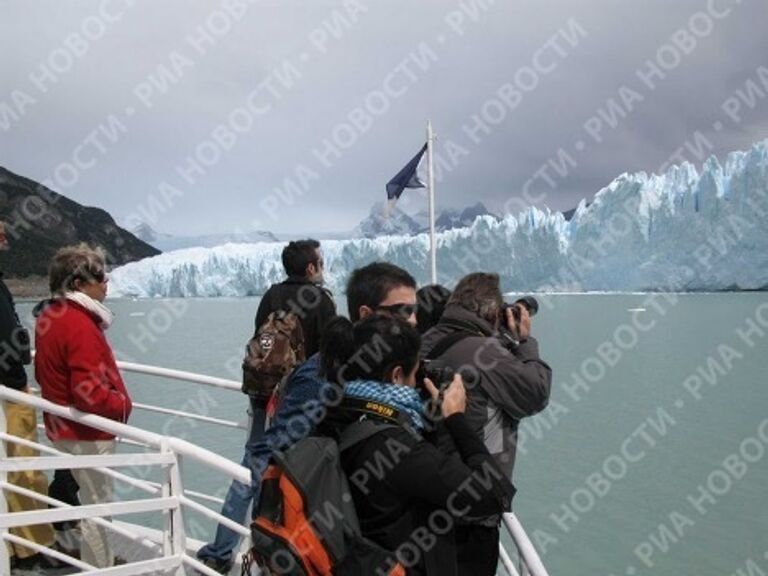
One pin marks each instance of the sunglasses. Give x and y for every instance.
(97, 276)
(404, 311)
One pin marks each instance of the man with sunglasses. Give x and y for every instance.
(381, 288)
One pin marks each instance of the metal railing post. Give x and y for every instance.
(5, 559)
(174, 538)
(165, 489)
(177, 515)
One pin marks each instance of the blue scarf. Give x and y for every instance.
(402, 397)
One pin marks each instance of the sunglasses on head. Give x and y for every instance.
(399, 310)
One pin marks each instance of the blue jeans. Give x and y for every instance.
(238, 499)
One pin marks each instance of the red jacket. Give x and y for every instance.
(74, 366)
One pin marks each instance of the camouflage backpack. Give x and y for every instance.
(275, 350)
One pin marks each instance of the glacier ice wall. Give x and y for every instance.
(682, 230)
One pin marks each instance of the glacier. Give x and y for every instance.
(684, 230)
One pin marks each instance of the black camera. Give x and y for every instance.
(528, 302)
(441, 376)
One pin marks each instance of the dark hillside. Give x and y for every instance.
(39, 222)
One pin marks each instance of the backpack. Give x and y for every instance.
(306, 523)
(274, 351)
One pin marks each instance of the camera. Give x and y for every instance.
(510, 338)
(441, 376)
(528, 302)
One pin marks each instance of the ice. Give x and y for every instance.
(682, 230)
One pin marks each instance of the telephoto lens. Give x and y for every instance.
(530, 303)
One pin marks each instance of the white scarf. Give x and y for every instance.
(105, 314)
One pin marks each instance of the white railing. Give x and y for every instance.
(220, 383)
(530, 563)
(528, 559)
(184, 376)
(169, 498)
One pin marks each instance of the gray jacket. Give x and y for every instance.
(504, 384)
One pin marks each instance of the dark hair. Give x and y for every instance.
(298, 255)
(431, 302)
(479, 292)
(369, 349)
(369, 285)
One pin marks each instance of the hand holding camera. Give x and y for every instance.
(518, 322)
(452, 399)
(518, 315)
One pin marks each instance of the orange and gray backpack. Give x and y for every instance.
(274, 351)
(305, 522)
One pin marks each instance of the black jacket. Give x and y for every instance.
(312, 303)
(401, 483)
(12, 373)
(503, 384)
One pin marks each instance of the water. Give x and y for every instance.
(620, 374)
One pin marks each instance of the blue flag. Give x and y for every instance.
(406, 178)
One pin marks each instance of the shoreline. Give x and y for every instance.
(36, 288)
(28, 288)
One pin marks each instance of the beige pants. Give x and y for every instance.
(95, 488)
(22, 422)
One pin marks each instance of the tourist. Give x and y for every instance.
(75, 367)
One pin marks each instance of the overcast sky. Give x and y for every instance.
(542, 101)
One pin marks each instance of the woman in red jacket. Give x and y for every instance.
(74, 366)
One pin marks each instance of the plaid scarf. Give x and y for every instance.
(402, 397)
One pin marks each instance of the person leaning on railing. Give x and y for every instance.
(74, 366)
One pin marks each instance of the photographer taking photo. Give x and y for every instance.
(491, 346)
(376, 361)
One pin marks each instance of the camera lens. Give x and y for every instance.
(530, 303)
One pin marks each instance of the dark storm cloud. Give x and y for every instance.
(145, 100)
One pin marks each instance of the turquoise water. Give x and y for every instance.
(623, 474)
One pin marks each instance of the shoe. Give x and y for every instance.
(220, 566)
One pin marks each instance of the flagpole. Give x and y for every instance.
(431, 188)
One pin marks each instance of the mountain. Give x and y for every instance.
(398, 223)
(383, 221)
(146, 233)
(683, 230)
(569, 214)
(450, 219)
(40, 221)
(168, 242)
